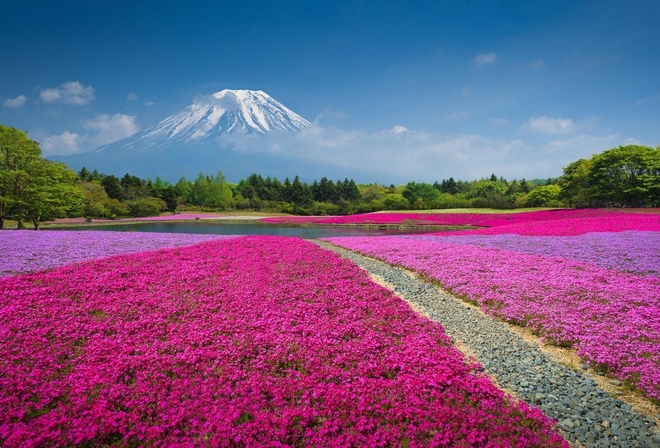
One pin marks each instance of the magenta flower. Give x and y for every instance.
(255, 341)
(554, 287)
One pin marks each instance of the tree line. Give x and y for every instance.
(34, 189)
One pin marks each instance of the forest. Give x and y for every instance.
(33, 189)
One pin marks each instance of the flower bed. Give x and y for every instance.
(546, 222)
(27, 251)
(249, 341)
(611, 318)
(458, 219)
(634, 252)
(570, 226)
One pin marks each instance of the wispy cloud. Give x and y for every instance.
(103, 129)
(484, 59)
(398, 130)
(398, 157)
(548, 125)
(110, 128)
(15, 103)
(63, 144)
(72, 92)
(330, 117)
(585, 145)
(131, 96)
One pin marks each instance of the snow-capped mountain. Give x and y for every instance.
(225, 131)
(224, 112)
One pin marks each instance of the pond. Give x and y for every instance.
(233, 228)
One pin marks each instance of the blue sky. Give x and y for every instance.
(417, 90)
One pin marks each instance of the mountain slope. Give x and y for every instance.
(224, 112)
(224, 131)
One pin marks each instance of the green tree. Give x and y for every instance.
(183, 187)
(576, 189)
(148, 206)
(211, 191)
(421, 195)
(349, 190)
(134, 188)
(300, 193)
(162, 189)
(449, 186)
(97, 204)
(32, 188)
(544, 196)
(94, 196)
(627, 175)
(84, 174)
(372, 192)
(52, 192)
(113, 187)
(395, 201)
(330, 190)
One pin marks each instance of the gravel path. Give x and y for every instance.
(586, 415)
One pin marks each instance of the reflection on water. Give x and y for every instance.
(225, 228)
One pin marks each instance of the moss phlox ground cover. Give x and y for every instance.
(250, 341)
(636, 252)
(545, 222)
(598, 292)
(570, 225)
(27, 251)
(441, 218)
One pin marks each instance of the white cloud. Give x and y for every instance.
(395, 155)
(389, 157)
(584, 145)
(483, 59)
(131, 96)
(548, 125)
(150, 103)
(103, 129)
(15, 103)
(399, 130)
(424, 156)
(110, 128)
(72, 92)
(62, 144)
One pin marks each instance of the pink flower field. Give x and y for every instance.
(547, 222)
(247, 341)
(635, 252)
(598, 292)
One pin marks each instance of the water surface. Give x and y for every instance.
(223, 228)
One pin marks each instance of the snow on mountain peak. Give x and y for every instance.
(252, 111)
(227, 111)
